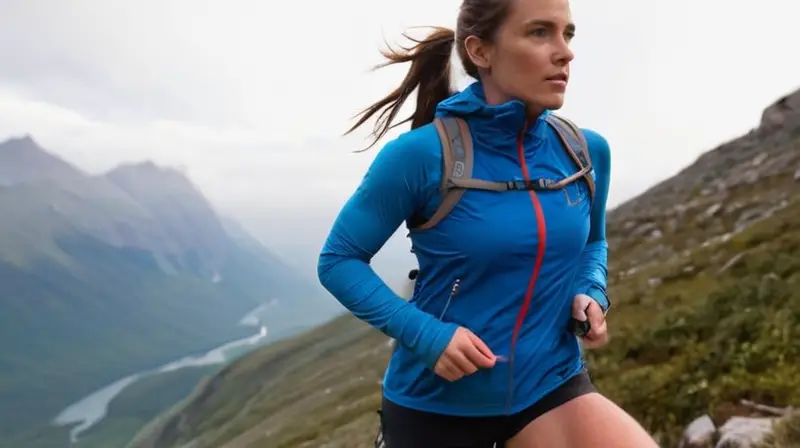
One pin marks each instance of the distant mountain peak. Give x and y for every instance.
(21, 143)
(23, 160)
(156, 182)
(145, 165)
(147, 169)
(26, 139)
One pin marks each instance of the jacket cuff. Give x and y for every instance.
(600, 296)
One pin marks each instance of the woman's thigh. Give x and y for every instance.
(587, 420)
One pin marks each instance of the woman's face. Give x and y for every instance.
(529, 57)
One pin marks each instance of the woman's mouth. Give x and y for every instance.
(559, 79)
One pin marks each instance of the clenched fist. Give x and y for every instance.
(464, 355)
(585, 307)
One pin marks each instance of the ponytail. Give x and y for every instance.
(429, 72)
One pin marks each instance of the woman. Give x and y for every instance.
(495, 363)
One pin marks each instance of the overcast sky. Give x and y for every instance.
(252, 100)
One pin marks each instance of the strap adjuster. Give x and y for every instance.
(533, 184)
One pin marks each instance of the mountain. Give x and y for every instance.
(23, 160)
(705, 281)
(102, 276)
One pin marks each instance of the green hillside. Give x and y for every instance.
(705, 279)
(104, 276)
(139, 403)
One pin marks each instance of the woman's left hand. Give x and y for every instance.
(584, 307)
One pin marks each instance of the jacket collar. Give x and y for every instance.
(497, 120)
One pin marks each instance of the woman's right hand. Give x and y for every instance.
(464, 355)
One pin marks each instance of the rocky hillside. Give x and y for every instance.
(705, 278)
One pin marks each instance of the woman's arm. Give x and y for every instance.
(592, 275)
(392, 189)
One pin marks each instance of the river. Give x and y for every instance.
(93, 408)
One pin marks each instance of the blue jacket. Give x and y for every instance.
(489, 243)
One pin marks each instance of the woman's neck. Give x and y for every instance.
(495, 96)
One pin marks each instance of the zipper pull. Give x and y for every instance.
(453, 292)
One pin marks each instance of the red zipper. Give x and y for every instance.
(542, 234)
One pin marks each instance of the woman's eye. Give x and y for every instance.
(539, 32)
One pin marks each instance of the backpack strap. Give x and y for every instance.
(457, 163)
(576, 146)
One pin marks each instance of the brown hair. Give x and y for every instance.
(430, 66)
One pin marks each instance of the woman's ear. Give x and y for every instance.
(478, 52)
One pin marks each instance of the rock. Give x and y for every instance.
(654, 282)
(751, 176)
(699, 434)
(658, 252)
(734, 207)
(736, 258)
(738, 431)
(782, 110)
(744, 432)
(707, 191)
(644, 229)
(631, 271)
(759, 159)
(748, 218)
(711, 211)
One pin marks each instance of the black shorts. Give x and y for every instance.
(408, 428)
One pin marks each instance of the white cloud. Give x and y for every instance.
(253, 99)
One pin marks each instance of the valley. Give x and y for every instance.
(102, 276)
